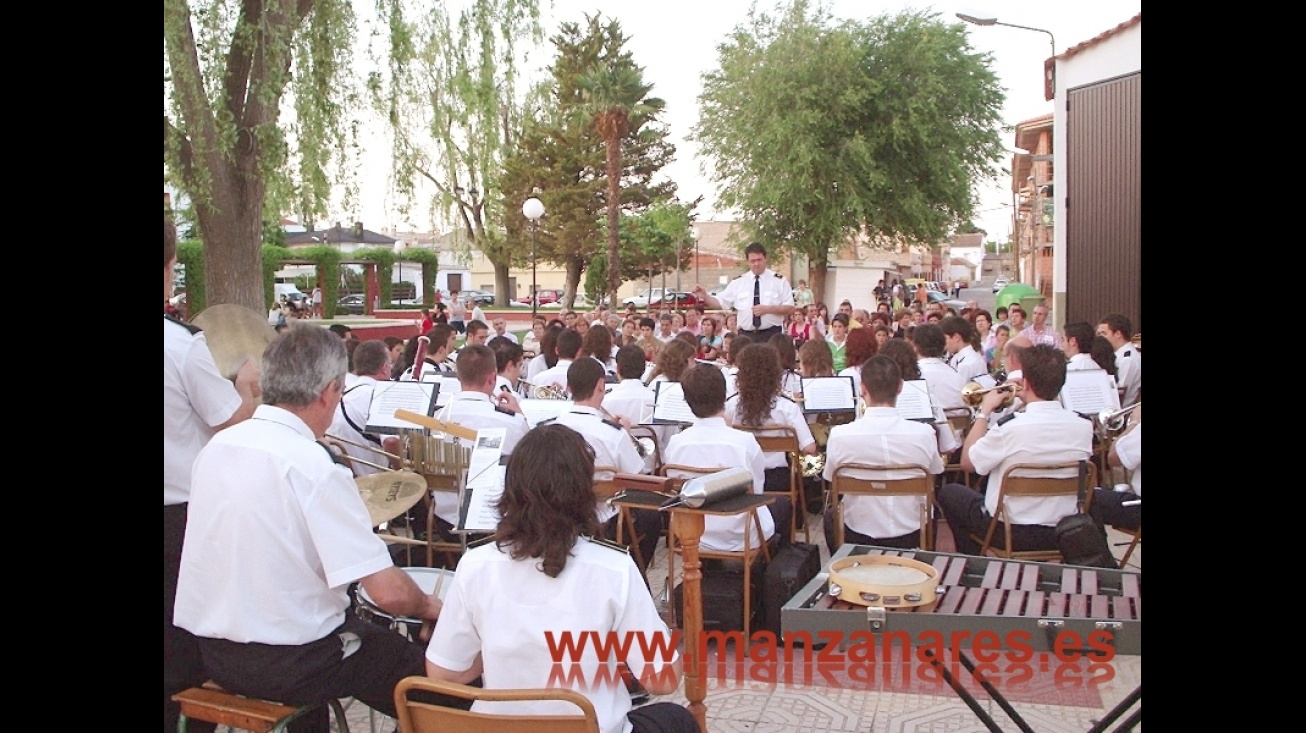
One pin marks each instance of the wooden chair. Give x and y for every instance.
(1025, 485)
(421, 717)
(212, 704)
(1137, 534)
(748, 555)
(959, 420)
(921, 485)
(784, 439)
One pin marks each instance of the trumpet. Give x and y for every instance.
(973, 394)
(1113, 421)
(546, 391)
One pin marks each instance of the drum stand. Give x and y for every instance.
(1100, 727)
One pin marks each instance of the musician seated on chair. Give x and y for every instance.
(542, 576)
(1044, 433)
(759, 402)
(880, 438)
(568, 347)
(371, 365)
(277, 532)
(613, 446)
(442, 343)
(508, 358)
(944, 382)
(1127, 452)
(629, 397)
(478, 405)
(712, 443)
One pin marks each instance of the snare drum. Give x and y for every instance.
(426, 578)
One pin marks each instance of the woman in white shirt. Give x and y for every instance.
(759, 402)
(544, 579)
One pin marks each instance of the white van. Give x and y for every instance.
(289, 291)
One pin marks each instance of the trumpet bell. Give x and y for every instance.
(972, 393)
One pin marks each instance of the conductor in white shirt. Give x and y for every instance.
(761, 297)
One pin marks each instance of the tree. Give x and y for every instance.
(454, 113)
(651, 241)
(226, 70)
(819, 131)
(560, 158)
(614, 91)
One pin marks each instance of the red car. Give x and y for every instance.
(547, 296)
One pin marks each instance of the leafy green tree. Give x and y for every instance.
(819, 130)
(454, 111)
(227, 68)
(560, 158)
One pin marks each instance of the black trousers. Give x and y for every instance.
(320, 670)
(662, 717)
(909, 541)
(963, 507)
(182, 668)
(1107, 509)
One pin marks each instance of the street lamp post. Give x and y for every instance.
(533, 209)
(976, 17)
(693, 232)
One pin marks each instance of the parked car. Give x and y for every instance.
(643, 299)
(999, 284)
(946, 301)
(547, 297)
(677, 300)
(478, 297)
(351, 304)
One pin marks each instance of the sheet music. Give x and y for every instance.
(828, 394)
(669, 406)
(985, 380)
(1089, 392)
(387, 397)
(914, 401)
(538, 410)
(449, 386)
(484, 481)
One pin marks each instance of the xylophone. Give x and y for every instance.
(987, 594)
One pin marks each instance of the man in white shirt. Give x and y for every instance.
(880, 438)
(197, 402)
(614, 448)
(371, 365)
(1129, 360)
(1044, 433)
(962, 356)
(666, 329)
(500, 325)
(761, 297)
(568, 346)
(441, 340)
(711, 443)
(1078, 346)
(630, 398)
(1127, 452)
(508, 357)
(277, 534)
(944, 382)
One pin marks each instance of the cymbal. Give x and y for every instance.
(234, 333)
(390, 493)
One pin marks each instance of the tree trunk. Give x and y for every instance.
(614, 212)
(231, 224)
(816, 267)
(501, 295)
(575, 268)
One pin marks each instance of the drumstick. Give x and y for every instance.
(439, 583)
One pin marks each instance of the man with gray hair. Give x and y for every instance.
(277, 533)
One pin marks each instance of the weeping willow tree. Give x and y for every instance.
(453, 109)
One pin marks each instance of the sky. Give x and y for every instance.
(675, 41)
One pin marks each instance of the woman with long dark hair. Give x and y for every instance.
(548, 356)
(544, 579)
(760, 403)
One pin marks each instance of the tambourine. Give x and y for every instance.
(883, 580)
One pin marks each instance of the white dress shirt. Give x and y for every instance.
(1129, 448)
(711, 443)
(881, 438)
(276, 533)
(945, 394)
(969, 363)
(1045, 432)
(1129, 373)
(773, 289)
(784, 411)
(630, 399)
(505, 610)
(613, 446)
(356, 403)
(195, 399)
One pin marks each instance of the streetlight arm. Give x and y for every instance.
(1051, 38)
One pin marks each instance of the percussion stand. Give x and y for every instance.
(987, 720)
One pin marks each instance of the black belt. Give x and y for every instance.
(761, 331)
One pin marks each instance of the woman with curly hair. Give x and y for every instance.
(597, 344)
(902, 352)
(677, 356)
(791, 382)
(543, 578)
(759, 403)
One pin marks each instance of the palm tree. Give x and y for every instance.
(614, 96)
